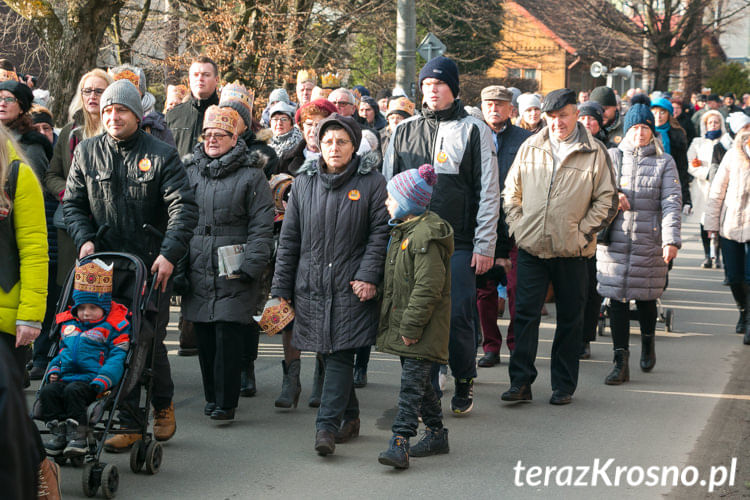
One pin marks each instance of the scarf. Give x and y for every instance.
(713, 134)
(664, 131)
(285, 142)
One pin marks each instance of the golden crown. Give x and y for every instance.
(401, 104)
(304, 75)
(6, 75)
(93, 277)
(126, 75)
(330, 81)
(180, 91)
(226, 119)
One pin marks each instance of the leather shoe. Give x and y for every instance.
(516, 394)
(209, 409)
(223, 414)
(586, 351)
(324, 442)
(560, 398)
(349, 429)
(488, 360)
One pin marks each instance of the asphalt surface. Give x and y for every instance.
(691, 410)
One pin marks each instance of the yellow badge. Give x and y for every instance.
(69, 329)
(442, 157)
(354, 195)
(405, 244)
(144, 165)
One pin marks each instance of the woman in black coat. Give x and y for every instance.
(329, 262)
(235, 208)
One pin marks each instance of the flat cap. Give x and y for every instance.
(558, 99)
(604, 96)
(496, 93)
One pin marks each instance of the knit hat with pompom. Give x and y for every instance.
(412, 190)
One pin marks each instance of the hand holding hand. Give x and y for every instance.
(669, 252)
(365, 291)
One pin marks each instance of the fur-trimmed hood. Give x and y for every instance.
(740, 141)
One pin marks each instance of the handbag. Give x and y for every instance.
(604, 237)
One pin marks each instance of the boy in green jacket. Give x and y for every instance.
(415, 315)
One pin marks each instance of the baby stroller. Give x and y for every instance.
(131, 288)
(664, 315)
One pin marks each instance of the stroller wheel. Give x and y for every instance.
(110, 480)
(137, 456)
(61, 460)
(668, 320)
(153, 457)
(77, 461)
(90, 481)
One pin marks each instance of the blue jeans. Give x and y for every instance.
(736, 260)
(462, 348)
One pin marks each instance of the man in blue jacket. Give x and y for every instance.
(467, 196)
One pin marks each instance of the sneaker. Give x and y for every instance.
(397, 454)
(55, 444)
(463, 398)
(49, 480)
(432, 443)
(164, 423)
(120, 442)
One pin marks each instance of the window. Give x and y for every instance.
(529, 73)
(514, 72)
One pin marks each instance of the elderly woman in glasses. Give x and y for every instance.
(285, 135)
(235, 209)
(330, 260)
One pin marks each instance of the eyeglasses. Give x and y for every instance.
(341, 142)
(88, 92)
(281, 119)
(218, 136)
(342, 103)
(8, 100)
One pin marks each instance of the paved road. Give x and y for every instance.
(655, 420)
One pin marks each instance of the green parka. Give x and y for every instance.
(417, 289)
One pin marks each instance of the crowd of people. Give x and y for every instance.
(377, 220)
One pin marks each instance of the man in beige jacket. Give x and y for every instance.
(559, 193)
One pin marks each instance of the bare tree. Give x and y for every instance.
(667, 28)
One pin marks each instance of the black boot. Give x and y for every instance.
(55, 444)
(621, 371)
(397, 454)
(739, 292)
(746, 325)
(247, 381)
(290, 386)
(648, 352)
(317, 389)
(77, 442)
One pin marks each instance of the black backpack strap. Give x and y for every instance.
(10, 186)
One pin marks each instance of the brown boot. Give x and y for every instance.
(120, 442)
(49, 480)
(164, 423)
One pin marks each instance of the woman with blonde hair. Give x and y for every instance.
(85, 122)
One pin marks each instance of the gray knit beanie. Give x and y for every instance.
(123, 92)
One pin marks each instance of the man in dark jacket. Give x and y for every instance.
(496, 108)
(185, 120)
(466, 195)
(607, 99)
(122, 180)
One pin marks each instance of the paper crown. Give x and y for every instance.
(125, 75)
(304, 75)
(357, 95)
(236, 92)
(330, 81)
(280, 184)
(277, 314)
(178, 91)
(401, 104)
(6, 75)
(319, 93)
(222, 118)
(94, 276)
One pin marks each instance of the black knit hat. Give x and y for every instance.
(443, 69)
(592, 108)
(347, 122)
(21, 92)
(604, 96)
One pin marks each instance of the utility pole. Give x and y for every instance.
(406, 44)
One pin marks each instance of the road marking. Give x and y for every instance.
(740, 397)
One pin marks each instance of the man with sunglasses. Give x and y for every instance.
(125, 179)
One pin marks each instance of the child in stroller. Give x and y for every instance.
(94, 340)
